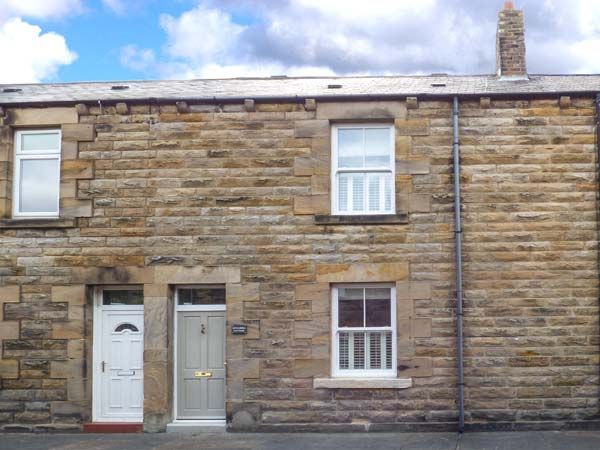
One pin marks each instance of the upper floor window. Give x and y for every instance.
(363, 169)
(36, 173)
(364, 330)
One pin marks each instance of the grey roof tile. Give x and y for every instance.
(236, 88)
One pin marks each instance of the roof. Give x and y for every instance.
(289, 88)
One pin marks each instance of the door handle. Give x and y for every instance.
(202, 329)
(103, 365)
(202, 374)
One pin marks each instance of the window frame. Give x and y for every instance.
(336, 372)
(335, 170)
(20, 155)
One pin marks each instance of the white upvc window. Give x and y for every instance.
(36, 175)
(363, 169)
(364, 330)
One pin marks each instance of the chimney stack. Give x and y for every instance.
(510, 43)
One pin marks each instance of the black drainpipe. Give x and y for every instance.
(458, 267)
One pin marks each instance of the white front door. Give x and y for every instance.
(119, 358)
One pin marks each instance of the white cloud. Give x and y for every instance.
(30, 55)
(226, 38)
(201, 35)
(116, 6)
(137, 58)
(39, 9)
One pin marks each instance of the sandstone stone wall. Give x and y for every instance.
(530, 247)
(230, 194)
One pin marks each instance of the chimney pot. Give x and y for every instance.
(509, 5)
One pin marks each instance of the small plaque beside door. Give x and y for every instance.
(239, 328)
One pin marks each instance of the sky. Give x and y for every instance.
(94, 40)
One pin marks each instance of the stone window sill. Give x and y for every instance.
(367, 219)
(362, 383)
(37, 223)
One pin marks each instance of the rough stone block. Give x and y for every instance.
(72, 207)
(122, 108)
(419, 203)
(9, 329)
(307, 329)
(412, 127)
(156, 314)
(403, 146)
(412, 103)
(197, 274)
(182, 107)
(82, 109)
(319, 184)
(72, 329)
(564, 102)
(73, 294)
(362, 273)
(77, 168)
(69, 150)
(9, 368)
(249, 105)
(243, 368)
(413, 166)
(72, 369)
(310, 104)
(361, 110)
(420, 290)
(42, 116)
(156, 388)
(78, 132)
(303, 166)
(239, 293)
(415, 367)
(485, 102)
(113, 275)
(311, 128)
(312, 204)
(76, 348)
(10, 294)
(304, 368)
(421, 328)
(312, 291)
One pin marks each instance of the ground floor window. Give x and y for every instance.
(364, 330)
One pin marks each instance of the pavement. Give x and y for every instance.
(527, 440)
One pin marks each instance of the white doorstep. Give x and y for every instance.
(196, 426)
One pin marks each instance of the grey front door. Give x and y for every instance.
(200, 365)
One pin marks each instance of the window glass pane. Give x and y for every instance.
(358, 192)
(40, 141)
(350, 307)
(378, 307)
(38, 189)
(201, 296)
(377, 147)
(122, 297)
(350, 148)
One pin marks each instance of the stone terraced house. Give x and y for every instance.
(287, 253)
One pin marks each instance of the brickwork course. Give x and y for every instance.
(165, 193)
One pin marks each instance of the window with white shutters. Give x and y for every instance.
(363, 169)
(364, 330)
